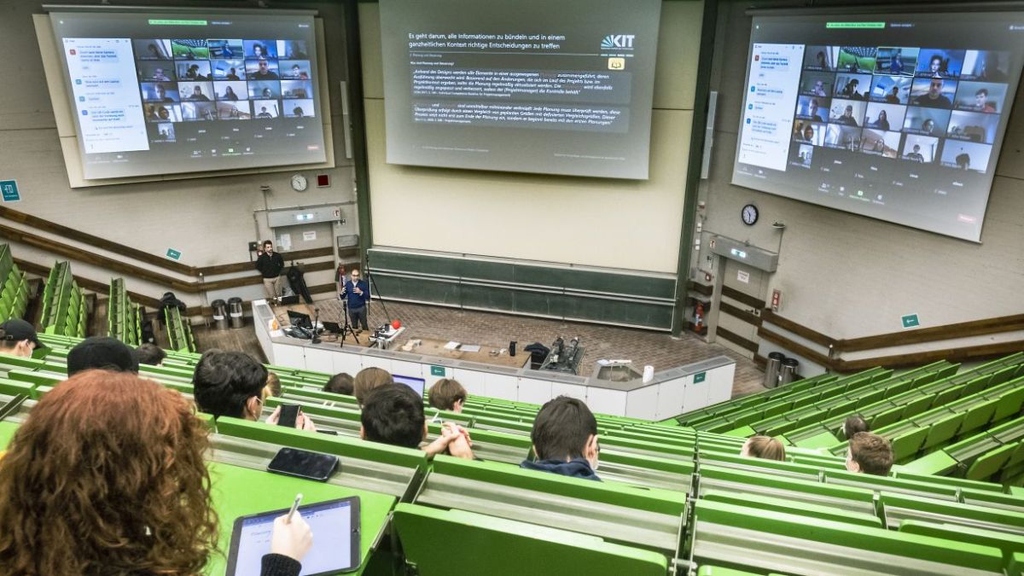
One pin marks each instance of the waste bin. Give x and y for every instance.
(771, 369)
(220, 314)
(235, 311)
(787, 373)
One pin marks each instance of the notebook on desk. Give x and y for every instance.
(331, 327)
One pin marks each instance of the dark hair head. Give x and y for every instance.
(267, 242)
(871, 452)
(393, 414)
(445, 393)
(367, 379)
(856, 423)
(340, 384)
(562, 428)
(150, 354)
(104, 353)
(107, 475)
(224, 381)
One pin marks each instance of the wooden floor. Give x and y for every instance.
(642, 347)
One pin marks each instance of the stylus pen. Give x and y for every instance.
(295, 506)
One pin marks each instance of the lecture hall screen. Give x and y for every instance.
(898, 117)
(159, 93)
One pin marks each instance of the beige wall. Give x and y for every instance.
(588, 221)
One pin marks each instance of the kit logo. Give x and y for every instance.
(618, 41)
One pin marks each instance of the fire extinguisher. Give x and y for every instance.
(698, 316)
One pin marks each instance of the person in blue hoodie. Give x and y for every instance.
(565, 439)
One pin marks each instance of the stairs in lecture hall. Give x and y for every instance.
(14, 287)
(64, 310)
(675, 499)
(124, 317)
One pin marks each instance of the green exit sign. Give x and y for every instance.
(437, 371)
(699, 377)
(173, 254)
(910, 321)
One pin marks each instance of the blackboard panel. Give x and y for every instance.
(417, 289)
(595, 281)
(413, 263)
(482, 270)
(651, 315)
(553, 297)
(489, 297)
(539, 303)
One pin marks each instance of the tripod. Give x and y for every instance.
(315, 338)
(347, 329)
(373, 283)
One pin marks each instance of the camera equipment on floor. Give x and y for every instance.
(564, 357)
(379, 337)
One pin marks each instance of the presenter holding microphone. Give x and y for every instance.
(357, 293)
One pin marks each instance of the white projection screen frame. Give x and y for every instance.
(520, 86)
(898, 117)
(117, 80)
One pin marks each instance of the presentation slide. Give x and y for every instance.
(520, 86)
(888, 116)
(156, 93)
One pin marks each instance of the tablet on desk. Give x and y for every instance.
(332, 327)
(335, 526)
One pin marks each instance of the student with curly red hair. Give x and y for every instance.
(106, 476)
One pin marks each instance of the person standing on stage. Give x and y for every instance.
(357, 293)
(270, 264)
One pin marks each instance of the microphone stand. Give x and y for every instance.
(315, 338)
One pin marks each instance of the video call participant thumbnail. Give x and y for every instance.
(932, 93)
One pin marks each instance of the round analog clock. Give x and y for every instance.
(749, 214)
(299, 183)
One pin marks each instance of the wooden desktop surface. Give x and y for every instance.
(427, 346)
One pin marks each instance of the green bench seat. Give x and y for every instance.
(648, 518)
(502, 547)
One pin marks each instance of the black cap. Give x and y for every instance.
(17, 330)
(103, 353)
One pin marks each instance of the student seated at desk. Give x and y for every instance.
(231, 384)
(393, 414)
(18, 338)
(340, 383)
(764, 447)
(869, 453)
(122, 488)
(150, 354)
(565, 439)
(447, 394)
(102, 353)
(369, 379)
(855, 424)
(273, 387)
